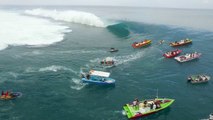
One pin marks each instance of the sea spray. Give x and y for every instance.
(17, 29)
(72, 16)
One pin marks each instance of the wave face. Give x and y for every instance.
(68, 16)
(120, 29)
(23, 30)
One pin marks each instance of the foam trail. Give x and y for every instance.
(122, 59)
(24, 30)
(56, 68)
(68, 16)
(78, 84)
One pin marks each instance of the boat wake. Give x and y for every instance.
(72, 16)
(122, 59)
(82, 52)
(56, 68)
(78, 85)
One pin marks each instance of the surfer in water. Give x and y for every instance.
(161, 42)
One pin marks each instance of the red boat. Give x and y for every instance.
(141, 44)
(173, 53)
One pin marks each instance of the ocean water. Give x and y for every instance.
(43, 49)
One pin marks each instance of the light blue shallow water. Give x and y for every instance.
(49, 79)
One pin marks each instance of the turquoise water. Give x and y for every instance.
(48, 76)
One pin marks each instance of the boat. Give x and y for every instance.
(181, 42)
(173, 53)
(202, 78)
(211, 116)
(108, 62)
(97, 77)
(10, 96)
(188, 57)
(113, 50)
(141, 44)
(146, 107)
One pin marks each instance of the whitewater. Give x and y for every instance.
(31, 28)
(18, 30)
(48, 74)
(72, 16)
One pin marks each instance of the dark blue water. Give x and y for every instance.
(49, 78)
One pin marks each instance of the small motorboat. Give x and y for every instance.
(113, 50)
(146, 107)
(97, 77)
(173, 53)
(108, 62)
(188, 57)
(10, 96)
(181, 42)
(141, 44)
(202, 78)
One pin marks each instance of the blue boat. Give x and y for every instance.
(97, 77)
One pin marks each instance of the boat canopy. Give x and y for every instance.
(99, 73)
(109, 59)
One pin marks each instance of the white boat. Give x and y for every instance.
(198, 78)
(188, 57)
(109, 61)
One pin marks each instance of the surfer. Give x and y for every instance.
(161, 42)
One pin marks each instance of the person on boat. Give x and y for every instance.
(88, 76)
(135, 103)
(145, 103)
(7, 94)
(103, 79)
(2, 93)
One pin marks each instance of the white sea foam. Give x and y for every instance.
(78, 85)
(80, 17)
(17, 29)
(122, 59)
(56, 68)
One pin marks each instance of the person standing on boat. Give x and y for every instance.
(136, 103)
(7, 93)
(2, 93)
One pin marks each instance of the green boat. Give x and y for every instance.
(146, 107)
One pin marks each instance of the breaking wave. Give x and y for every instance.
(17, 29)
(80, 17)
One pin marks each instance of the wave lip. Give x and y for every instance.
(80, 17)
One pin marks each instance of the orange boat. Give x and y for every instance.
(141, 44)
(180, 43)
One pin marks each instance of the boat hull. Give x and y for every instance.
(173, 44)
(194, 79)
(184, 58)
(133, 113)
(176, 52)
(12, 96)
(98, 82)
(141, 44)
